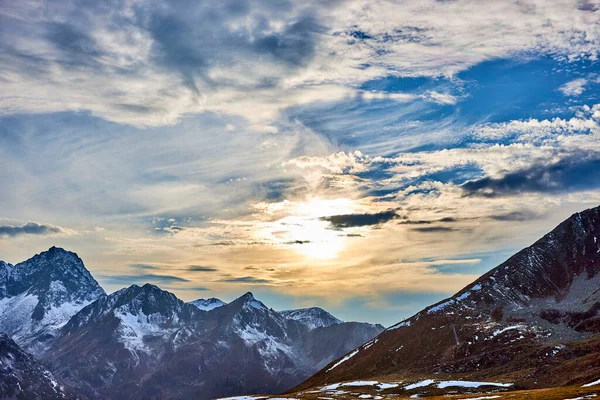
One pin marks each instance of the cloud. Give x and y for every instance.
(127, 280)
(515, 216)
(354, 220)
(201, 268)
(574, 87)
(151, 62)
(144, 266)
(434, 229)
(190, 289)
(574, 173)
(246, 279)
(33, 228)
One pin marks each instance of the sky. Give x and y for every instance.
(368, 157)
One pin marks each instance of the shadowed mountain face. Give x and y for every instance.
(23, 377)
(39, 295)
(534, 320)
(143, 342)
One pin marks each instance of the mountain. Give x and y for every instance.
(109, 346)
(23, 377)
(533, 321)
(143, 342)
(38, 296)
(312, 318)
(207, 304)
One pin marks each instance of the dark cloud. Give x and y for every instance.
(144, 266)
(187, 42)
(77, 47)
(416, 222)
(246, 279)
(30, 228)
(515, 216)
(298, 242)
(434, 229)
(191, 289)
(128, 280)
(574, 173)
(201, 268)
(353, 220)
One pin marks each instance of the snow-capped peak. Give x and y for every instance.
(312, 318)
(248, 300)
(207, 304)
(40, 295)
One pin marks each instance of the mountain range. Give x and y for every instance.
(142, 342)
(532, 323)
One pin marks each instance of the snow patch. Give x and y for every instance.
(399, 325)
(207, 304)
(592, 383)
(470, 384)
(349, 356)
(388, 385)
(423, 383)
(455, 300)
(134, 327)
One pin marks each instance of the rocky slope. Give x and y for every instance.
(38, 296)
(23, 377)
(533, 321)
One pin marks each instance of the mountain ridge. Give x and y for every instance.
(541, 303)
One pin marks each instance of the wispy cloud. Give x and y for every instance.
(574, 87)
(247, 279)
(201, 268)
(151, 62)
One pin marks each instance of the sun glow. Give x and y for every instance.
(304, 230)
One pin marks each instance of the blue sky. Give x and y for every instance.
(370, 158)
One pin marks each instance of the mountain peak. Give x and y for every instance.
(207, 304)
(47, 289)
(54, 251)
(312, 317)
(248, 296)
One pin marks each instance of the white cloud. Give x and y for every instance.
(147, 63)
(574, 87)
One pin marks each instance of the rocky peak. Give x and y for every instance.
(248, 300)
(47, 290)
(56, 275)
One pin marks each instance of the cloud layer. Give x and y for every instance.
(150, 62)
(365, 156)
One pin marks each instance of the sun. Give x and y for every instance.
(305, 230)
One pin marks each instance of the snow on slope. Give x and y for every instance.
(38, 296)
(312, 318)
(207, 304)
